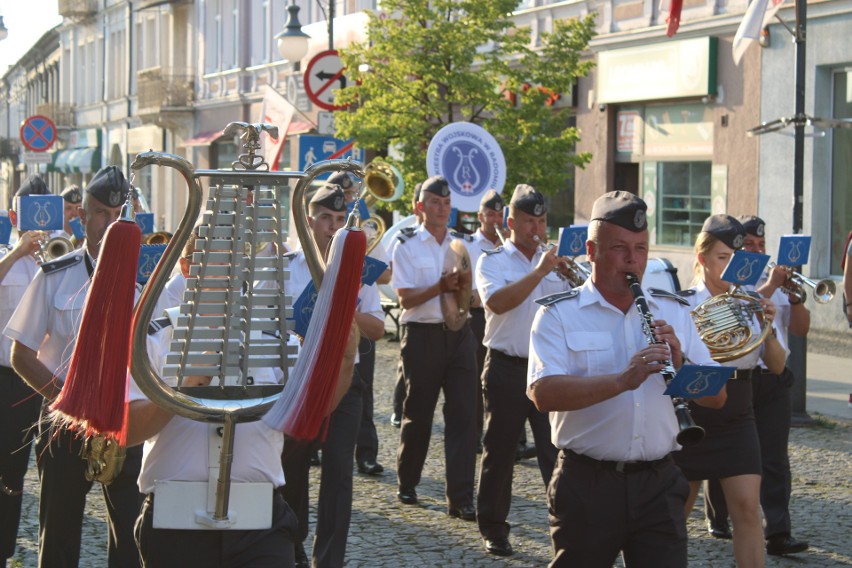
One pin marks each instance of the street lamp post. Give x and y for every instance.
(292, 41)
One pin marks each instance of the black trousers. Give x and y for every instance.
(268, 548)
(595, 512)
(507, 408)
(19, 408)
(435, 359)
(334, 507)
(63, 499)
(772, 408)
(368, 438)
(399, 390)
(477, 325)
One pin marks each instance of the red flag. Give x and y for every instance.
(673, 20)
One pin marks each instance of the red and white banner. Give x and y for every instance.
(275, 110)
(756, 17)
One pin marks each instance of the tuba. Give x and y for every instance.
(724, 324)
(226, 259)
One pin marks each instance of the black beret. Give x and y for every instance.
(436, 185)
(753, 225)
(331, 197)
(34, 185)
(417, 191)
(72, 194)
(109, 186)
(621, 208)
(340, 178)
(525, 198)
(725, 228)
(492, 200)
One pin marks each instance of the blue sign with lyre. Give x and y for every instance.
(373, 268)
(694, 381)
(149, 256)
(794, 250)
(303, 309)
(40, 212)
(5, 229)
(145, 222)
(745, 268)
(572, 240)
(77, 228)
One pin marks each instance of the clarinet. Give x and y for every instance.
(690, 432)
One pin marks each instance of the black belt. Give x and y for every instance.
(754, 373)
(441, 325)
(619, 466)
(477, 310)
(508, 358)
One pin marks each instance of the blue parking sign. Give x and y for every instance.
(314, 149)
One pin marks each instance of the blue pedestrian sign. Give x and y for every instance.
(314, 149)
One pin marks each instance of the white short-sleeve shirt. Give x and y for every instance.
(12, 289)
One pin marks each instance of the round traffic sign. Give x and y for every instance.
(38, 133)
(323, 76)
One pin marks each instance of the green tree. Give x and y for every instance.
(429, 63)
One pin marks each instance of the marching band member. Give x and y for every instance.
(19, 405)
(71, 202)
(730, 450)
(44, 331)
(771, 402)
(434, 358)
(615, 486)
(510, 278)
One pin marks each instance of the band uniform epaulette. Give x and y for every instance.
(290, 255)
(406, 234)
(61, 264)
(658, 293)
(158, 324)
(494, 250)
(558, 297)
(686, 293)
(460, 235)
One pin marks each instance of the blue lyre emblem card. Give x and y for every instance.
(149, 256)
(572, 240)
(145, 222)
(693, 381)
(373, 268)
(363, 210)
(5, 229)
(454, 217)
(745, 268)
(77, 228)
(303, 309)
(40, 212)
(794, 250)
(506, 217)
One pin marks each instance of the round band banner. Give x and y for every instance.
(471, 160)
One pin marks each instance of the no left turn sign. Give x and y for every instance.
(323, 76)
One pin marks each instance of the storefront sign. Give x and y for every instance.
(629, 134)
(678, 130)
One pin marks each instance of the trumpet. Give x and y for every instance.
(572, 271)
(158, 238)
(690, 432)
(53, 248)
(823, 291)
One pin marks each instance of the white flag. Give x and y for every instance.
(755, 19)
(278, 111)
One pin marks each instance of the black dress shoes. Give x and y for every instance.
(302, 560)
(499, 546)
(465, 512)
(781, 544)
(370, 467)
(407, 496)
(719, 530)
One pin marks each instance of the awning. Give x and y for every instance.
(204, 138)
(60, 161)
(84, 161)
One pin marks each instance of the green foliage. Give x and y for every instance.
(431, 63)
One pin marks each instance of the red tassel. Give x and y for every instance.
(93, 398)
(323, 382)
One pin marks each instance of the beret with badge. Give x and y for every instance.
(492, 200)
(725, 228)
(71, 194)
(436, 185)
(330, 197)
(753, 225)
(342, 179)
(34, 185)
(109, 186)
(621, 208)
(525, 198)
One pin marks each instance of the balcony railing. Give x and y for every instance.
(162, 89)
(61, 115)
(77, 8)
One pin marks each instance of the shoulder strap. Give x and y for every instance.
(658, 293)
(61, 264)
(558, 297)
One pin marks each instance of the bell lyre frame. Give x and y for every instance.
(244, 402)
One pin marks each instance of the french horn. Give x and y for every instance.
(724, 325)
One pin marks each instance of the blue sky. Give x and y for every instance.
(26, 20)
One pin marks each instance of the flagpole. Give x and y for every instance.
(799, 345)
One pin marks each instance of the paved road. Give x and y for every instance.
(387, 533)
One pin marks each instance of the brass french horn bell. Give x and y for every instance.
(724, 325)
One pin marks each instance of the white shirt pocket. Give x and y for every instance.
(12, 289)
(69, 311)
(425, 271)
(591, 352)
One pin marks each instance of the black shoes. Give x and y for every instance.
(781, 544)
(407, 496)
(302, 560)
(465, 513)
(369, 466)
(499, 546)
(525, 452)
(719, 530)
(396, 420)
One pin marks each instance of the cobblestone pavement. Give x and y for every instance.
(387, 533)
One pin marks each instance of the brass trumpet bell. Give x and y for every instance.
(158, 238)
(383, 180)
(54, 248)
(374, 229)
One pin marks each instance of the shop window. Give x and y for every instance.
(684, 201)
(841, 170)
